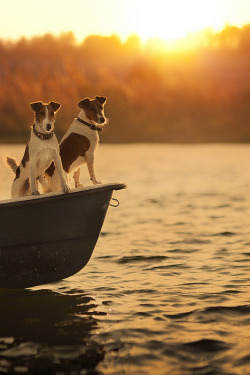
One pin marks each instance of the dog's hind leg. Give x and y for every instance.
(20, 188)
(45, 186)
(76, 177)
(25, 190)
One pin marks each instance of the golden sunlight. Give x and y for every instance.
(171, 20)
(149, 19)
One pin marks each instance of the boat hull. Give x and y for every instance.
(51, 237)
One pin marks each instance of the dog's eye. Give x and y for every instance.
(42, 113)
(101, 107)
(52, 113)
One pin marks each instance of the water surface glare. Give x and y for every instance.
(167, 290)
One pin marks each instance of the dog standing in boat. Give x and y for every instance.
(78, 145)
(40, 151)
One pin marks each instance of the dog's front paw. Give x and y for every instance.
(36, 192)
(66, 189)
(78, 185)
(95, 182)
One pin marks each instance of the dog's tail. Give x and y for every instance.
(12, 163)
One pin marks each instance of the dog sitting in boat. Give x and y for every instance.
(78, 145)
(40, 151)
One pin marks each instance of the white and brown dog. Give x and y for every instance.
(78, 145)
(40, 151)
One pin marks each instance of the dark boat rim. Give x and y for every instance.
(60, 195)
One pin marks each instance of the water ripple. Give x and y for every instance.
(206, 346)
(141, 258)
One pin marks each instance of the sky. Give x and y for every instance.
(165, 19)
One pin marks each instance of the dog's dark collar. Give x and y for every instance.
(42, 136)
(91, 126)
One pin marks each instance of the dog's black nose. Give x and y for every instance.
(102, 120)
(48, 127)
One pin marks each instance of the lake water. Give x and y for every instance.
(167, 290)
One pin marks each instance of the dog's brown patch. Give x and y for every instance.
(40, 110)
(50, 171)
(36, 106)
(17, 173)
(51, 113)
(91, 114)
(52, 109)
(25, 188)
(93, 107)
(25, 158)
(101, 99)
(71, 148)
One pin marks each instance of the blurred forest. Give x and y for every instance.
(155, 94)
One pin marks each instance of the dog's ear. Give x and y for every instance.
(36, 106)
(101, 99)
(84, 104)
(55, 106)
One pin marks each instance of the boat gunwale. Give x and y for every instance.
(59, 195)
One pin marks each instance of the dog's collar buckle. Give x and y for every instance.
(42, 136)
(91, 126)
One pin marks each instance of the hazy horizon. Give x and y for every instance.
(154, 94)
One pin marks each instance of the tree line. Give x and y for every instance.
(200, 94)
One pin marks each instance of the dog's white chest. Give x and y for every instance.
(44, 158)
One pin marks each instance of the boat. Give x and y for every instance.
(49, 237)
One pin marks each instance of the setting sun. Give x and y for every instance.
(167, 20)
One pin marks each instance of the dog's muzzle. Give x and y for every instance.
(48, 127)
